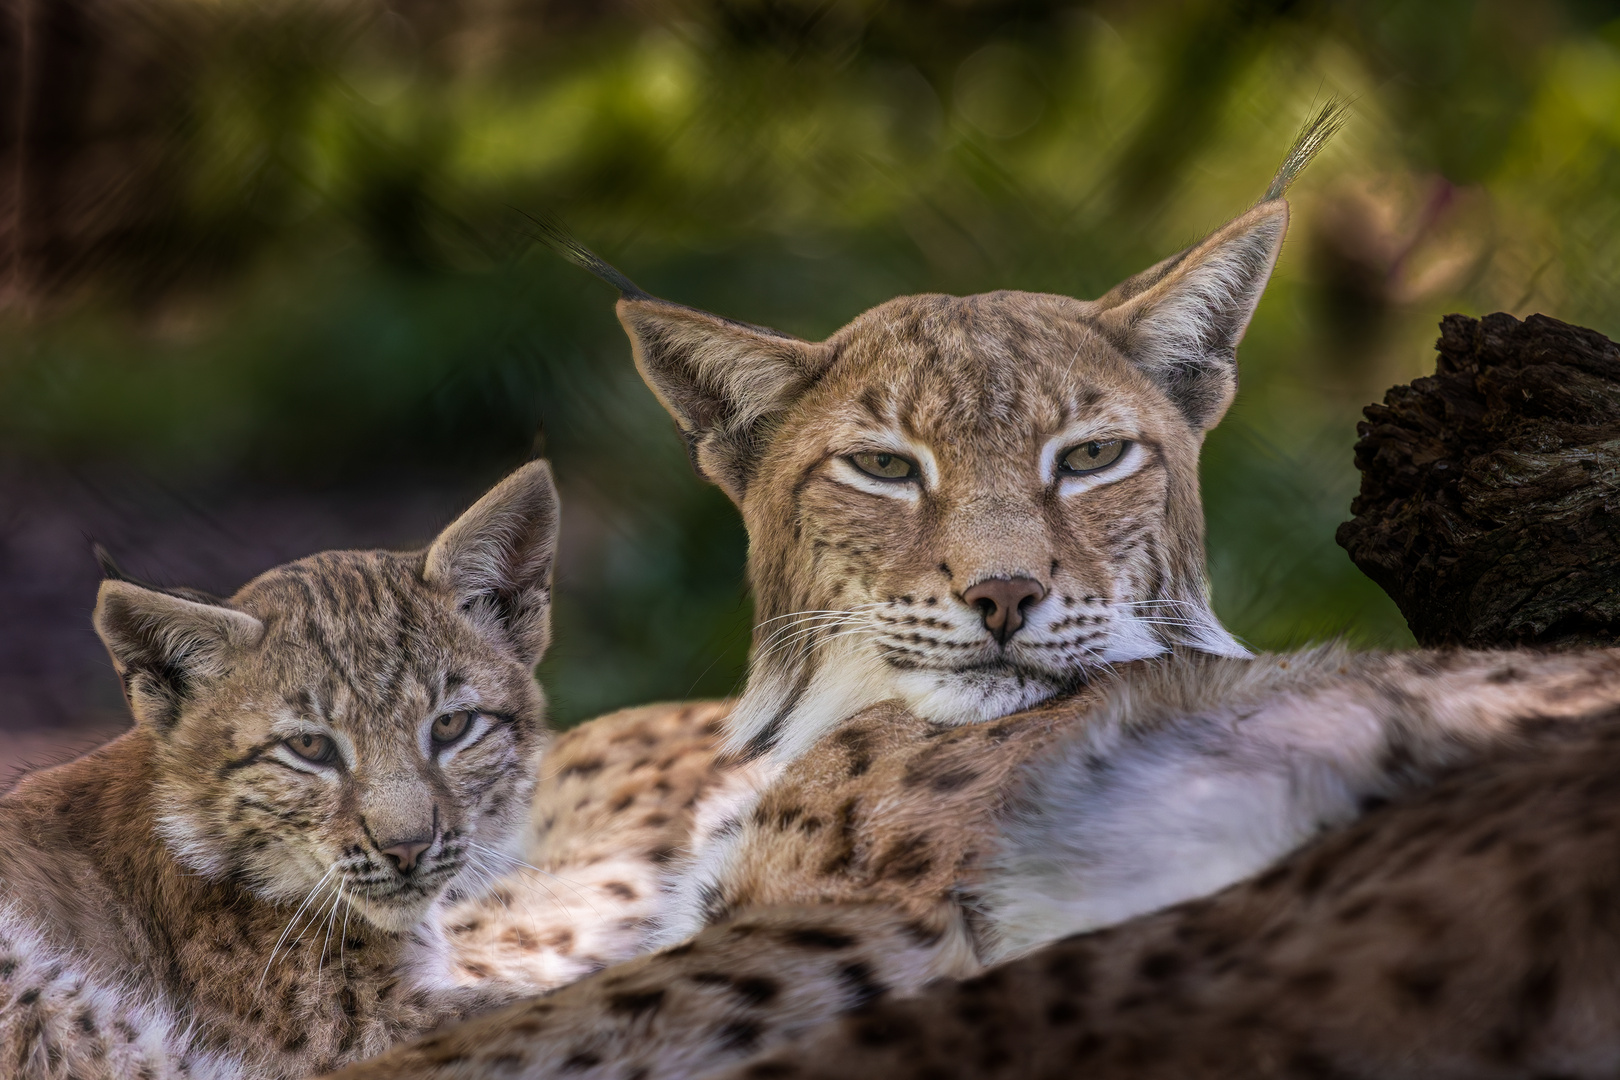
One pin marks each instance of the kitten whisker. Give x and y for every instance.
(343, 935)
(327, 940)
(330, 870)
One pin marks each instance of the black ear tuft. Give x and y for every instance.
(109, 566)
(552, 233)
(111, 571)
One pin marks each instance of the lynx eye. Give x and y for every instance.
(451, 726)
(884, 466)
(318, 749)
(1090, 457)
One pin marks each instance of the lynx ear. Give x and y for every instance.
(1181, 320)
(723, 381)
(496, 560)
(162, 645)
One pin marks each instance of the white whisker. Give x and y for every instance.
(816, 636)
(307, 898)
(812, 612)
(343, 935)
(320, 963)
(808, 626)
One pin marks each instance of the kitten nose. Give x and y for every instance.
(1002, 602)
(404, 852)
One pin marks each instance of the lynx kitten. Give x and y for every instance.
(247, 882)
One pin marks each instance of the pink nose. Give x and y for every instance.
(1002, 602)
(404, 852)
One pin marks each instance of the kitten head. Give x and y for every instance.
(356, 725)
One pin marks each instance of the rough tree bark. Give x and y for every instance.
(1490, 491)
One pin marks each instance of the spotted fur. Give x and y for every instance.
(926, 848)
(870, 591)
(866, 588)
(199, 898)
(973, 844)
(616, 807)
(733, 989)
(869, 586)
(1469, 930)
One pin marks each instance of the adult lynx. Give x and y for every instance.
(961, 505)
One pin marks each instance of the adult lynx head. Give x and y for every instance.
(356, 724)
(966, 503)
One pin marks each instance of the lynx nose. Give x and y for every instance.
(1002, 602)
(404, 852)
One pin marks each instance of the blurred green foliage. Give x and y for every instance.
(329, 277)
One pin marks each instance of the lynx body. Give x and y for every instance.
(960, 508)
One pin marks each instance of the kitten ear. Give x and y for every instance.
(722, 381)
(496, 560)
(1180, 321)
(162, 645)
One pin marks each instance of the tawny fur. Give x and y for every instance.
(909, 836)
(614, 809)
(734, 988)
(860, 597)
(888, 809)
(126, 926)
(1168, 780)
(58, 1021)
(1471, 930)
(864, 586)
(198, 898)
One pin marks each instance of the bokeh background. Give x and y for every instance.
(266, 286)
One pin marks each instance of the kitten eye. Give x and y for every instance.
(1090, 457)
(884, 466)
(314, 748)
(451, 726)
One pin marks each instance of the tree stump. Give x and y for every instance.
(1490, 491)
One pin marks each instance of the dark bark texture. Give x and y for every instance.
(1490, 491)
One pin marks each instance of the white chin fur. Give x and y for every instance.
(850, 678)
(394, 918)
(970, 697)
